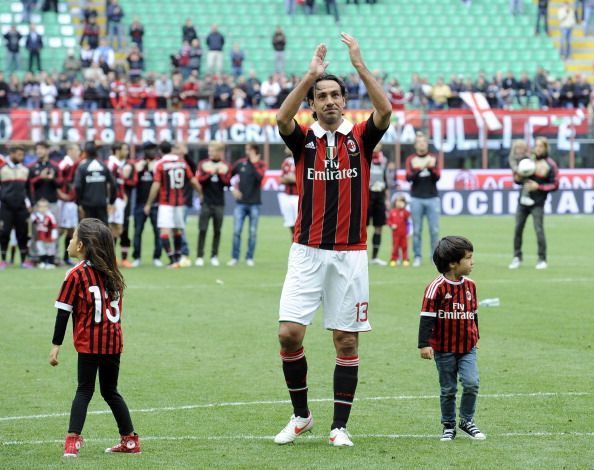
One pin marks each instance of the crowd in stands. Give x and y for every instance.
(95, 79)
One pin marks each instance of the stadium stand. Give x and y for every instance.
(434, 37)
(58, 33)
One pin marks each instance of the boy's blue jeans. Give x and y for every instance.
(450, 366)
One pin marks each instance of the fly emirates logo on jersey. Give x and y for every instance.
(332, 170)
(458, 313)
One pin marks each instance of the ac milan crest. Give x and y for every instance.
(351, 146)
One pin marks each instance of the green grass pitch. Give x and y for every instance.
(203, 379)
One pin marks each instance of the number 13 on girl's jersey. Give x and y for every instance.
(96, 317)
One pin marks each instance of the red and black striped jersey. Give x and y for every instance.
(95, 317)
(116, 166)
(332, 178)
(452, 307)
(287, 167)
(46, 226)
(172, 172)
(67, 171)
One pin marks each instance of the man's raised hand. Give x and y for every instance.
(354, 50)
(317, 67)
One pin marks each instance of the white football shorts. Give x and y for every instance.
(171, 217)
(289, 204)
(68, 214)
(337, 280)
(117, 216)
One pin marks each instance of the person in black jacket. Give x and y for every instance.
(14, 204)
(544, 180)
(248, 198)
(189, 31)
(543, 12)
(12, 38)
(95, 185)
(214, 174)
(34, 44)
(144, 170)
(423, 170)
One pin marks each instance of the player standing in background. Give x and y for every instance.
(423, 171)
(288, 200)
(538, 186)
(130, 183)
(92, 292)
(170, 175)
(14, 204)
(46, 234)
(379, 200)
(44, 182)
(214, 174)
(68, 207)
(123, 174)
(185, 261)
(328, 259)
(95, 185)
(144, 176)
(448, 333)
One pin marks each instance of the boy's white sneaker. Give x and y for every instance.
(214, 261)
(158, 263)
(339, 437)
(232, 262)
(516, 263)
(470, 429)
(250, 262)
(199, 262)
(416, 262)
(294, 428)
(136, 263)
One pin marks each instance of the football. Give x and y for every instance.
(526, 167)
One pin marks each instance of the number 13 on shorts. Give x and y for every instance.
(361, 308)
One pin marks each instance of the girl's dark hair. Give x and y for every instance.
(450, 250)
(99, 251)
(326, 76)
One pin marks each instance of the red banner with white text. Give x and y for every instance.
(452, 130)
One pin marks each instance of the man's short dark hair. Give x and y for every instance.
(450, 250)
(14, 148)
(326, 76)
(165, 147)
(90, 149)
(255, 147)
(42, 143)
(117, 146)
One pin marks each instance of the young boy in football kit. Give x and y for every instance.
(448, 333)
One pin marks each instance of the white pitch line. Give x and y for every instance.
(283, 402)
(247, 437)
